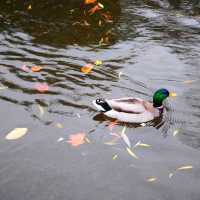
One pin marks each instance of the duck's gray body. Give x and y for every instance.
(132, 110)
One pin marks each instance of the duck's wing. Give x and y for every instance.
(127, 105)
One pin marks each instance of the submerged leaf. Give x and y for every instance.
(139, 144)
(87, 68)
(131, 153)
(59, 125)
(186, 167)
(76, 139)
(16, 133)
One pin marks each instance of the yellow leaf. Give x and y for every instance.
(29, 7)
(98, 62)
(125, 137)
(115, 157)
(143, 145)
(131, 153)
(185, 167)
(151, 179)
(16, 133)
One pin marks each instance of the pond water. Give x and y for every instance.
(152, 48)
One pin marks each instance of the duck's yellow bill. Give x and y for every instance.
(172, 94)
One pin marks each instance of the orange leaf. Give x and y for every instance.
(86, 68)
(42, 87)
(36, 68)
(76, 139)
(89, 1)
(94, 9)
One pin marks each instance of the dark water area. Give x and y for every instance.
(151, 47)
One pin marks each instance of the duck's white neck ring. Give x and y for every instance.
(161, 108)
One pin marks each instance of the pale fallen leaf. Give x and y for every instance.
(143, 124)
(189, 81)
(78, 115)
(3, 88)
(139, 144)
(186, 167)
(176, 132)
(115, 157)
(112, 142)
(151, 179)
(59, 125)
(41, 109)
(171, 175)
(60, 139)
(29, 7)
(131, 153)
(87, 140)
(125, 137)
(120, 74)
(16, 133)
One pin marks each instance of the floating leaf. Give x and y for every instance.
(87, 68)
(25, 68)
(176, 132)
(87, 140)
(115, 157)
(151, 179)
(98, 62)
(59, 125)
(131, 153)
(78, 115)
(29, 7)
(42, 87)
(16, 133)
(60, 139)
(3, 88)
(185, 167)
(139, 144)
(36, 68)
(101, 5)
(120, 74)
(125, 137)
(112, 142)
(170, 175)
(76, 139)
(89, 1)
(41, 109)
(189, 81)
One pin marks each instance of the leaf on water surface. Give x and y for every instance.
(131, 153)
(59, 125)
(143, 124)
(77, 139)
(151, 179)
(186, 167)
(189, 81)
(29, 7)
(3, 88)
(176, 132)
(140, 144)
(87, 140)
(25, 68)
(60, 139)
(87, 68)
(16, 133)
(171, 175)
(98, 62)
(100, 5)
(42, 87)
(115, 157)
(90, 1)
(36, 68)
(112, 142)
(41, 109)
(78, 115)
(125, 137)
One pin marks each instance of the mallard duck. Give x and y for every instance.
(134, 110)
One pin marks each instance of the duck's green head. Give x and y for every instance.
(160, 95)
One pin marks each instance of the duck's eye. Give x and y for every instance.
(100, 101)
